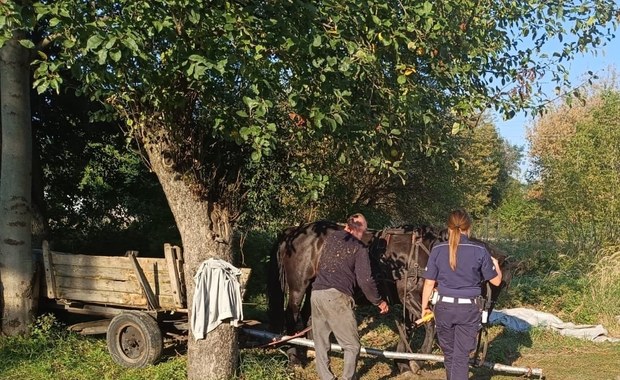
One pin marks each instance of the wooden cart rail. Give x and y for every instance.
(129, 281)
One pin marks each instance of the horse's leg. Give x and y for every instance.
(412, 310)
(294, 323)
(413, 306)
(305, 320)
(306, 310)
(429, 338)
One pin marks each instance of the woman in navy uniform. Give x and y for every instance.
(458, 267)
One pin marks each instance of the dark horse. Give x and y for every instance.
(399, 256)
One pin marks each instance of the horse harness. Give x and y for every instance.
(411, 269)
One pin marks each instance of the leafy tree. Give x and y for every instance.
(99, 195)
(486, 163)
(576, 152)
(210, 89)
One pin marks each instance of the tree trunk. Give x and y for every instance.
(16, 267)
(205, 233)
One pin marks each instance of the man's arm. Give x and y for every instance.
(363, 276)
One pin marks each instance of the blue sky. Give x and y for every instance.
(609, 56)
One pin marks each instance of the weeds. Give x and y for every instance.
(259, 364)
(601, 303)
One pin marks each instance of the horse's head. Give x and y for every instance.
(506, 267)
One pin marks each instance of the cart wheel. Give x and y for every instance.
(134, 339)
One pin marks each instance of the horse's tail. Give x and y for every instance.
(276, 287)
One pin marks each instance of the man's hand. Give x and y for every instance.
(383, 307)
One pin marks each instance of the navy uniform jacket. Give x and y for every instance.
(473, 266)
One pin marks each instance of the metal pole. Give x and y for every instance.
(398, 355)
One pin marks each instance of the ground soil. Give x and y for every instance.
(559, 358)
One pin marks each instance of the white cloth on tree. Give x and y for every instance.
(217, 297)
(522, 319)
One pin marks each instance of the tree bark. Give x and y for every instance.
(16, 266)
(205, 233)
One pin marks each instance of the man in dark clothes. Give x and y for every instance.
(344, 262)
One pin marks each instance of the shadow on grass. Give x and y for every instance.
(505, 349)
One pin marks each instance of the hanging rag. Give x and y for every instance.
(217, 297)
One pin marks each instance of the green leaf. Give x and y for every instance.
(94, 42)
(41, 88)
(401, 79)
(428, 7)
(115, 55)
(456, 128)
(68, 43)
(27, 44)
(131, 44)
(317, 41)
(102, 56)
(111, 42)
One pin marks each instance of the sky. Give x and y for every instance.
(514, 130)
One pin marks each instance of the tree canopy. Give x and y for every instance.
(374, 81)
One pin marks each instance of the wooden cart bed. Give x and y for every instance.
(126, 281)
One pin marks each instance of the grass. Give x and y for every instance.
(545, 280)
(53, 353)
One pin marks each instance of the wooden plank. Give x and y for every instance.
(103, 297)
(129, 285)
(49, 271)
(89, 277)
(178, 253)
(113, 274)
(92, 309)
(115, 298)
(173, 275)
(146, 287)
(120, 262)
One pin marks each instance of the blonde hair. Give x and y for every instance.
(459, 221)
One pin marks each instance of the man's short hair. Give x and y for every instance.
(357, 222)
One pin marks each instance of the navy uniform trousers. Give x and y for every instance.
(457, 329)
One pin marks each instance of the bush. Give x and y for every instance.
(601, 300)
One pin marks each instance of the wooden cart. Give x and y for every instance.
(137, 298)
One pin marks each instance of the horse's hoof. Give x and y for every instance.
(409, 368)
(295, 358)
(414, 367)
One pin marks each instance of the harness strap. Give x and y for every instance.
(413, 252)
